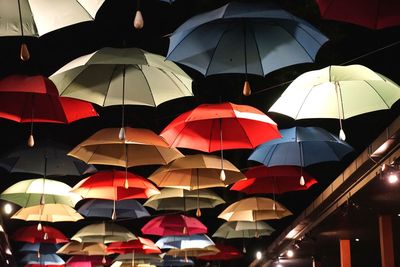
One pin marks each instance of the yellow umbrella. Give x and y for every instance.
(87, 249)
(138, 147)
(196, 172)
(48, 213)
(103, 233)
(254, 209)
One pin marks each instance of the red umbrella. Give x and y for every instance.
(213, 127)
(48, 234)
(275, 180)
(140, 245)
(373, 14)
(115, 185)
(45, 265)
(174, 224)
(87, 261)
(226, 253)
(36, 99)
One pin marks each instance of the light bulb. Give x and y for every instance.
(290, 253)
(302, 181)
(8, 208)
(31, 141)
(258, 255)
(342, 135)
(222, 175)
(392, 178)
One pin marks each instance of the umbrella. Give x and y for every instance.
(174, 224)
(243, 229)
(338, 92)
(185, 200)
(184, 242)
(32, 235)
(115, 185)
(239, 37)
(254, 209)
(226, 253)
(196, 172)
(275, 180)
(45, 259)
(301, 146)
(373, 14)
(128, 208)
(175, 261)
(86, 261)
(48, 213)
(35, 99)
(138, 257)
(103, 233)
(140, 245)
(193, 252)
(40, 248)
(46, 158)
(33, 192)
(140, 147)
(84, 248)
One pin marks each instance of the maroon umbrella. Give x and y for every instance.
(226, 253)
(373, 14)
(31, 234)
(174, 224)
(87, 261)
(275, 180)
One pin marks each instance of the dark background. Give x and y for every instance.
(113, 26)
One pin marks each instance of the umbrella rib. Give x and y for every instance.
(108, 87)
(84, 9)
(245, 133)
(148, 85)
(176, 76)
(302, 104)
(373, 88)
(258, 50)
(312, 59)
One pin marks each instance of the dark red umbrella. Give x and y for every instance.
(174, 224)
(373, 14)
(87, 261)
(31, 234)
(46, 265)
(35, 99)
(140, 245)
(226, 253)
(275, 180)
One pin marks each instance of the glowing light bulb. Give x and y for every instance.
(290, 253)
(258, 255)
(8, 208)
(392, 178)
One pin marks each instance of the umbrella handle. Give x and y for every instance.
(342, 135)
(222, 174)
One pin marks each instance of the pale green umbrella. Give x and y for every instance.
(243, 229)
(33, 192)
(337, 92)
(103, 233)
(185, 200)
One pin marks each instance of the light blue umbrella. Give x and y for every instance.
(42, 248)
(241, 37)
(128, 208)
(301, 146)
(45, 259)
(184, 242)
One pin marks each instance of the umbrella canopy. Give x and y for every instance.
(124, 209)
(42, 248)
(243, 229)
(138, 257)
(184, 242)
(140, 147)
(301, 146)
(254, 209)
(222, 126)
(373, 14)
(115, 185)
(31, 234)
(87, 261)
(140, 245)
(226, 253)
(175, 261)
(45, 259)
(84, 248)
(41, 17)
(239, 37)
(193, 252)
(101, 78)
(185, 200)
(196, 172)
(274, 180)
(46, 158)
(103, 233)
(338, 92)
(174, 224)
(33, 192)
(48, 213)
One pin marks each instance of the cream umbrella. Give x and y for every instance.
(103, 233)
(48, 213)
(85, 248)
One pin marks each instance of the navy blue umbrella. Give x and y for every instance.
(241, 37)
(301, 146)
(42, 248)
(128, 208)
(175, 261)
(45, 259)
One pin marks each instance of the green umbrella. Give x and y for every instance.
(33, 192)
(337, 92)
(185, 200)
(243, 229)
(103, 233)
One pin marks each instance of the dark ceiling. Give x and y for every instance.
(378, 50)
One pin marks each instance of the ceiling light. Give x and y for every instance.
(258, 255)
(279, 265)
(290, 253)
(357, 239)
(8, 208)
(392, 178)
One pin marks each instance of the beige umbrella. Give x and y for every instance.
(185, 200)
(254, 209)
(48, 213)
(140, 147)
(86, 248)
(103, 233)
(196, 172)
(193, 252)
